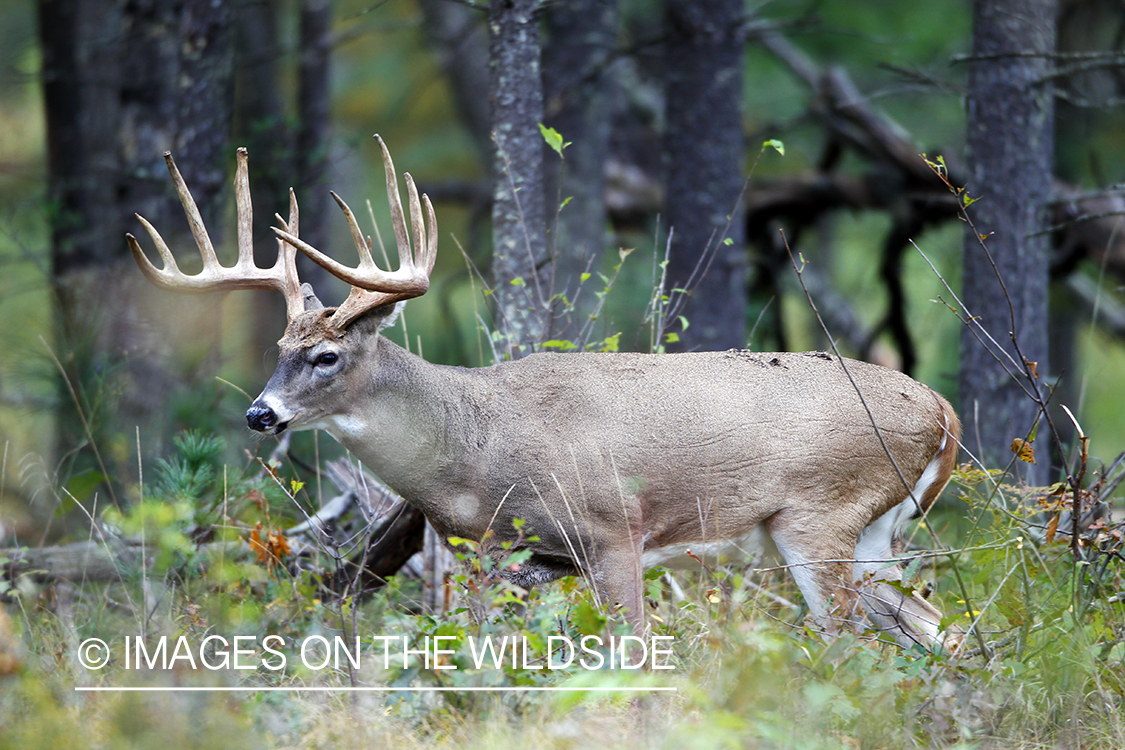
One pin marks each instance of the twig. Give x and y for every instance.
(878, 432)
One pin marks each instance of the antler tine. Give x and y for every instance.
(195, 221)
(245, 209)
(245, 274)
(162, 277)
(171, 277)
(425, 241)
(286, 264)
(366, 275)
(402, 240)
(372, 286)
(362, 244)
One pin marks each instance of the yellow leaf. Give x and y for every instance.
(1024, 450)
(1052, 527)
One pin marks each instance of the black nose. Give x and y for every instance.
(260, 418)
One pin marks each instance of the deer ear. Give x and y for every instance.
(310, 298)
(379, 318)
(392, 313)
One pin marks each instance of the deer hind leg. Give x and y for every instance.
(843, 581)
(821, 566)
(910, 619)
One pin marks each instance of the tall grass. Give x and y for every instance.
(749, 670)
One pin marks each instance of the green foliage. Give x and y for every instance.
(775, 144)
(748, 672)
(1039, 660)
(553, 139)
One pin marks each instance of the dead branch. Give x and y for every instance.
(395, 532)
(92, 561)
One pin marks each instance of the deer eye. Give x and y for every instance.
(327, 359)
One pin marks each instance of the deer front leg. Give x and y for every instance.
(619, 580)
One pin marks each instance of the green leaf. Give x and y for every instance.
(82, 486)
(296, 485)
(560, 344)
(518, 281)
(587, 618)
(728, 241)
(562, 205)
(776, 145)
(456, 541)
(912, 571)
(584, 276)
(553, 138)
(671, 338)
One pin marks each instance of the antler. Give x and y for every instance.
(372, 286)
(244, 274)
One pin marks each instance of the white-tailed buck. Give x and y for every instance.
(612, 460)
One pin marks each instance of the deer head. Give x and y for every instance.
(312, 350)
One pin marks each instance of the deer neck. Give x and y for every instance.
(404, 418)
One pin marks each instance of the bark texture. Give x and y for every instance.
(122, 84)
(1010, 157)
(703, 148)
(518, 214)
(577, 102)
(314, 114)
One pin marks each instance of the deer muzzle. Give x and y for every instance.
(262, 418)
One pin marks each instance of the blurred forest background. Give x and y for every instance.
(665, 106)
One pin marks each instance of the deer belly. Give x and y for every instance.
(753, 544)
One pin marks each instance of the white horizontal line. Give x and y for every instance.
(360, 689)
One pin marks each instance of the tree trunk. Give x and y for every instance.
(519, 243)
(1010, 156)
(576, 83)
(122, 84)
(260, 125)
(314, 115)
(703, 149)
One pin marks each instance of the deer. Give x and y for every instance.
(613, 461)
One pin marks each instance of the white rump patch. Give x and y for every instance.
(874, 546)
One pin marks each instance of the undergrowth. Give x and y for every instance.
(1041, 665)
